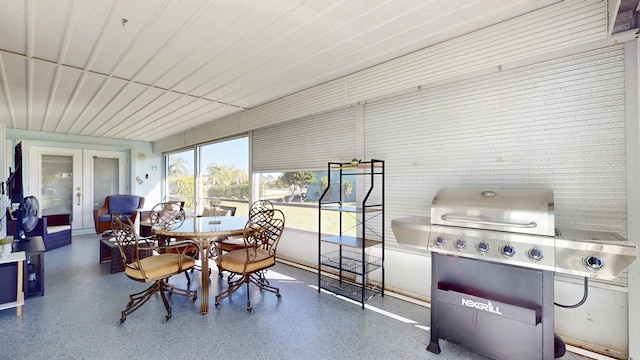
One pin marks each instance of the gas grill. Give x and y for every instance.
(494, 255)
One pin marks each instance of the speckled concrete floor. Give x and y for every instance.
(78, 318)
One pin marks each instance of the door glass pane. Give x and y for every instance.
(180, 179)
(57, 185)
(105, 179)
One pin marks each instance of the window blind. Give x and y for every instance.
(307, 143)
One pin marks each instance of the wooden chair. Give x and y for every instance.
(258, 255)
(156, 269)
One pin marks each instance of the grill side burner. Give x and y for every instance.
(594, 254)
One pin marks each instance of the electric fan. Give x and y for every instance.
(27, 216)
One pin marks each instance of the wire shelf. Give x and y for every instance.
(350, 289)
(350, 261)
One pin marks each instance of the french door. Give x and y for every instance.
(76, 181)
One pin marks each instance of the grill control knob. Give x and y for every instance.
(440, 241)
(535, 254)
(482, 247)
(460, 244)
(508, 250)
(593, 263)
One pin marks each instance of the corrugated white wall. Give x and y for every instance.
(559, 124)
(555, 27)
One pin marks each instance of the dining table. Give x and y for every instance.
(204, 230)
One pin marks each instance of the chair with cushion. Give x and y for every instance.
(170, 215)
(145, 219)
(219, 210)
(54, 229)
(129, 205)
(156, 269)
(258, 255)
(259, 211)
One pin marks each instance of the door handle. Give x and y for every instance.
(78, 195)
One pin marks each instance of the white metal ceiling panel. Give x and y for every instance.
(87, 87)
(250, 53)
(200, 40)
(121, 122)
(15, 76)
(48, 21)
(86, 26)
(13, 18)
(41, 80)
(158, 40)
(107, 117)
(118, 41)
(104, 95)
(188, 111)
(62, 90)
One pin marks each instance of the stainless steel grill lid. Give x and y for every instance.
(526, 211)
(516, 227)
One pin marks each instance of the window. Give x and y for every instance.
(288, 158)
(220, 169)
(225, 174)
(180, 178)
(297, 193)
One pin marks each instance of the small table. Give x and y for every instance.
(109, 252)
(34, 278)
(204, 232)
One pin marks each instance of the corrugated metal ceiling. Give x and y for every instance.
(145, 70)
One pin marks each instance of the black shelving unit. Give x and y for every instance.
(34, 265)
(345, 266)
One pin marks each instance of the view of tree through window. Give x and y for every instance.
(223, 174)
(297, 194)
(221, 171)
(180, 178)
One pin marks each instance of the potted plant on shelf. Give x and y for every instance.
(6, 246)
(355, 161)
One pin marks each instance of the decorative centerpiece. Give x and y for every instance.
(6, 246)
